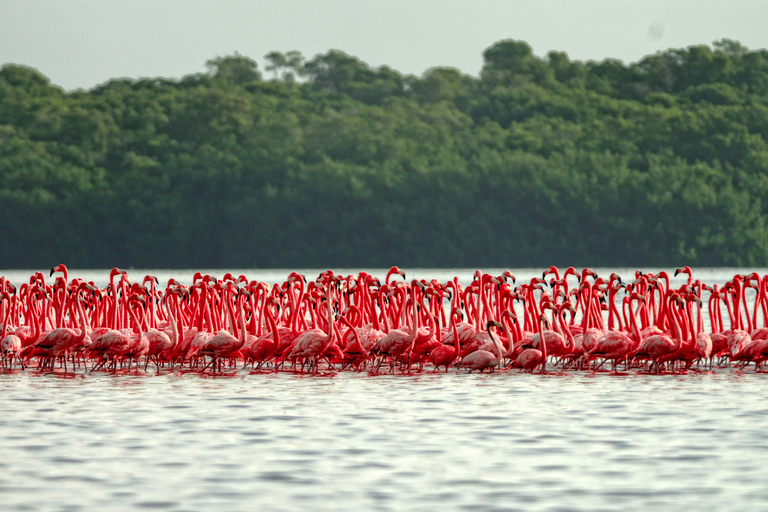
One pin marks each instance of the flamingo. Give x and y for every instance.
(617, 346)
(445, 355)
(531, 358)
(160, 343)
(224, 343)
(138, 346)
(482, 359)
(657, 347)
(398, 341)
(354, 353)
(10, 344)
(60, 340)
(311, 344)
(265, 346)
(668, 330)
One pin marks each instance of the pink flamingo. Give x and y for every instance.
(398, 341)
(312, 343)
(10, 344)
(617, 346)
(58, 341)
(445, 355)
(353, 354)
(656, 347)
(160, 343)
(262, 349)
(224, 344)
(530, 358)
(483, 359)
(139, 344)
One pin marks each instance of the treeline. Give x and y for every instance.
(330, 162)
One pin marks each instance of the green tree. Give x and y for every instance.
(235, 69)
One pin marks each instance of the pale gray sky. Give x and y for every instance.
(82, 43)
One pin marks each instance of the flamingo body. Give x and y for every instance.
(480, 360)
(528, 359)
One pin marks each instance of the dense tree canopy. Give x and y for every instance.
(329, 162)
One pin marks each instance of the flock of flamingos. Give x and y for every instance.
(570, 321)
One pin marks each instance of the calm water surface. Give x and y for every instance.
(505, 441)
(352, 442)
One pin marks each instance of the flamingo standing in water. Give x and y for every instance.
(445, 355)
(160, 343)
(482, 359)
(737, 336)
(50, 309)
(58, 341)
(224, 343)
(660, 347)
(398, 341)
(265, 346)
(312, 343)
(10, 344)
(616, 345)
(353, 354)
(531, 358)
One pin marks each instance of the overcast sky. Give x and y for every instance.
(82, 43)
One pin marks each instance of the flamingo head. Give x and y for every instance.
(58, 268)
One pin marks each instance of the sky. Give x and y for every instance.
(83, 43)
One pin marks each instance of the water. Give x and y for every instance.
(505, 441)
(350, 442)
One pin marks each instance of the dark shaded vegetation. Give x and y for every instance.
(330, 162)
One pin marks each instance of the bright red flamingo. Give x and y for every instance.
(425, 341)
(555, 341)
(704, 343)
(616, 346)
(312, 343)
(354, 353)
(751, 348)
(476, 338)
(682, 328)
(446, 355)
(570, 351)
(513, 333)
(58, 341)
(717, 335)
(531, 358)
(699, 344)
(761, 333)
(736, 337)
(120, 344)
(224, 344)
(196, 338)
(467, 331)
(391, 272)
(248, 339)
(265, 346)
(160, 343)
(139, 344)
(190, 321)
(398, 341)
(288, 334)
(658, 347)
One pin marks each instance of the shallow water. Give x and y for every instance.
(505, 441)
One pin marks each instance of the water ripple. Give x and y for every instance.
(283, 442)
